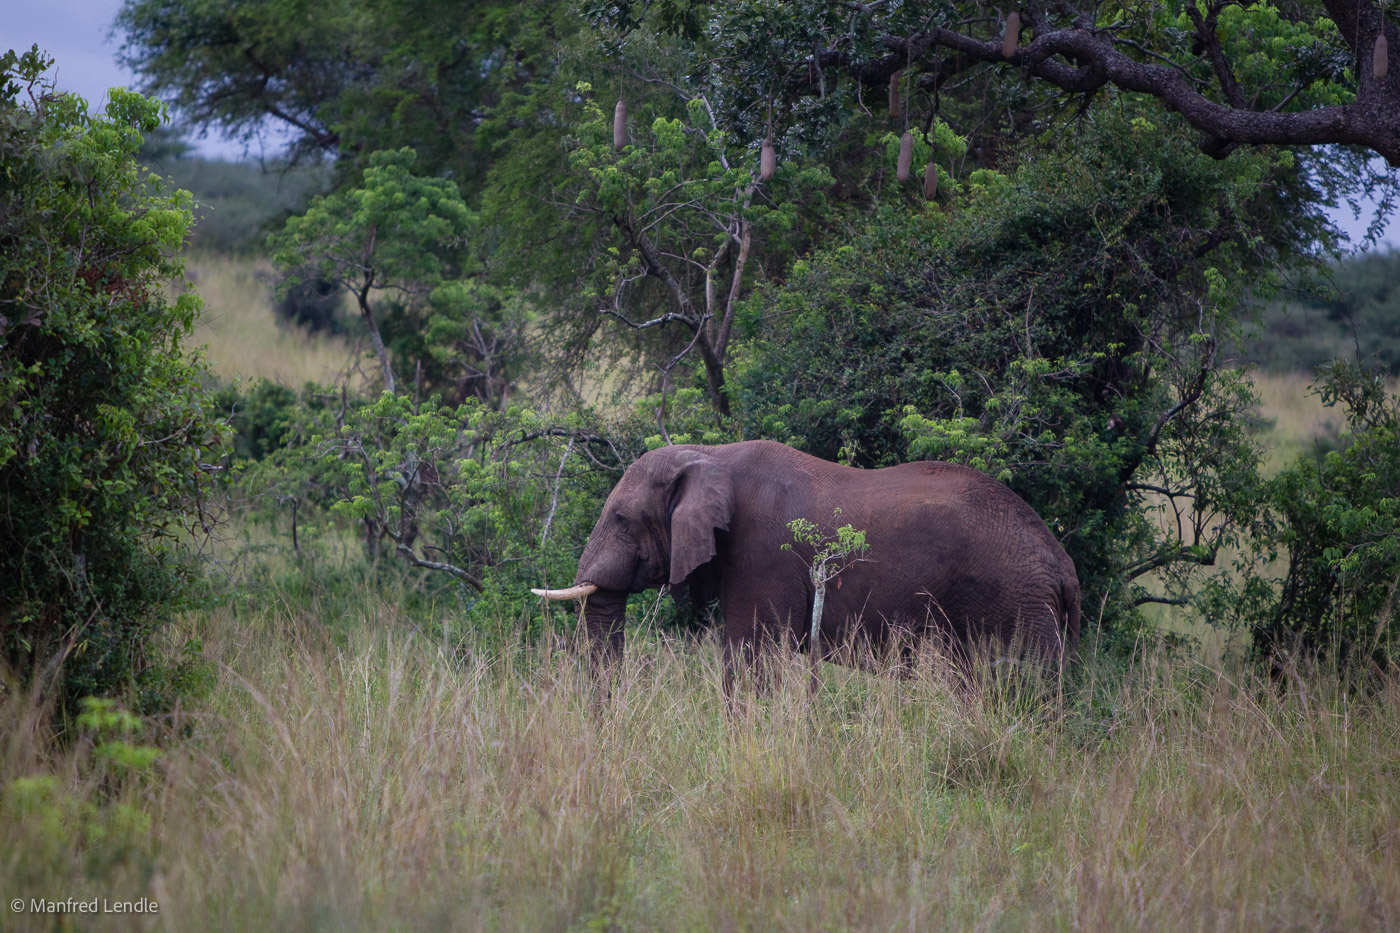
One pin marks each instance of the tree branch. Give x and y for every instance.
(1081, 58)
(1210, 43)
(1162, 600)
(457, 572)
(1173, 557)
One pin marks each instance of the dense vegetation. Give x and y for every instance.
(105, 432)
(547, 237)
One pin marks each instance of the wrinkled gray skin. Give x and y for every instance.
(951, 551)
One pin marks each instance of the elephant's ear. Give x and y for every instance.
(704, 503)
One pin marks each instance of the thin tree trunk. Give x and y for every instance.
(375, 340)
(714, 375)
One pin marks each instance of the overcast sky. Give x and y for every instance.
(75, 34)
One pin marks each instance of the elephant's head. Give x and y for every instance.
(657, 527)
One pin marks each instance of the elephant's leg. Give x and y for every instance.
(738, 657)
(754, 628)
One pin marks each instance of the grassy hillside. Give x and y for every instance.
(1293, 417)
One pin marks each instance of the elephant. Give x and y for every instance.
(950, 551)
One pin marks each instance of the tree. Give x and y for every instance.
(466, 491)
(665, 233)
(830, 556)
(1241, 73)
(396, 231)
(105, 437)
(681, 204)
(1338, 522)
(350, 77)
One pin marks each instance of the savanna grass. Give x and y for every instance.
(381, 782)
(241, 333)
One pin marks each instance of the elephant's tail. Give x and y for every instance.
(1069, 611)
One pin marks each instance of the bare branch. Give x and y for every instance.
(1161, 600)
(457, 572)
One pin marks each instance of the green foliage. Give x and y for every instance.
(394, 230)
(686, 415)
(660, 236)
(941, 145)
(1060, 331)
(826, 551)
(1295, 56)
(1338, 521)
(829, 555)
(498, 501)
(1272, 48)
(110, 726)
(349, 77)
(96, 825)
(105, 437)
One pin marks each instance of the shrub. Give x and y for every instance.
(1338, 522)
(105, 438)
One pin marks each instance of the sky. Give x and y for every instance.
(76, 34)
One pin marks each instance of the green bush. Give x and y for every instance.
(1338, 522)
(459, 509)
(105, 437)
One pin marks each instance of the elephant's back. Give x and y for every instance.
(937, 485)
(963, 517)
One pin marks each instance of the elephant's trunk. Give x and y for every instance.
(582, 591)
(603, 617)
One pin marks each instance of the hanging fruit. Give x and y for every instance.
(1013, 34)
(1378, 59)
(894, 94)
(930, 180)
(906, 156)
(620, 124)
(767, 160)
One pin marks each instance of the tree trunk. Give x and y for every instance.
(375, 340)
(714, 375)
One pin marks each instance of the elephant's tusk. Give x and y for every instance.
(581, 591)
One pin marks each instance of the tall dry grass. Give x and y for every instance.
(379, 783)
(242, 334)
(1295, 417)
